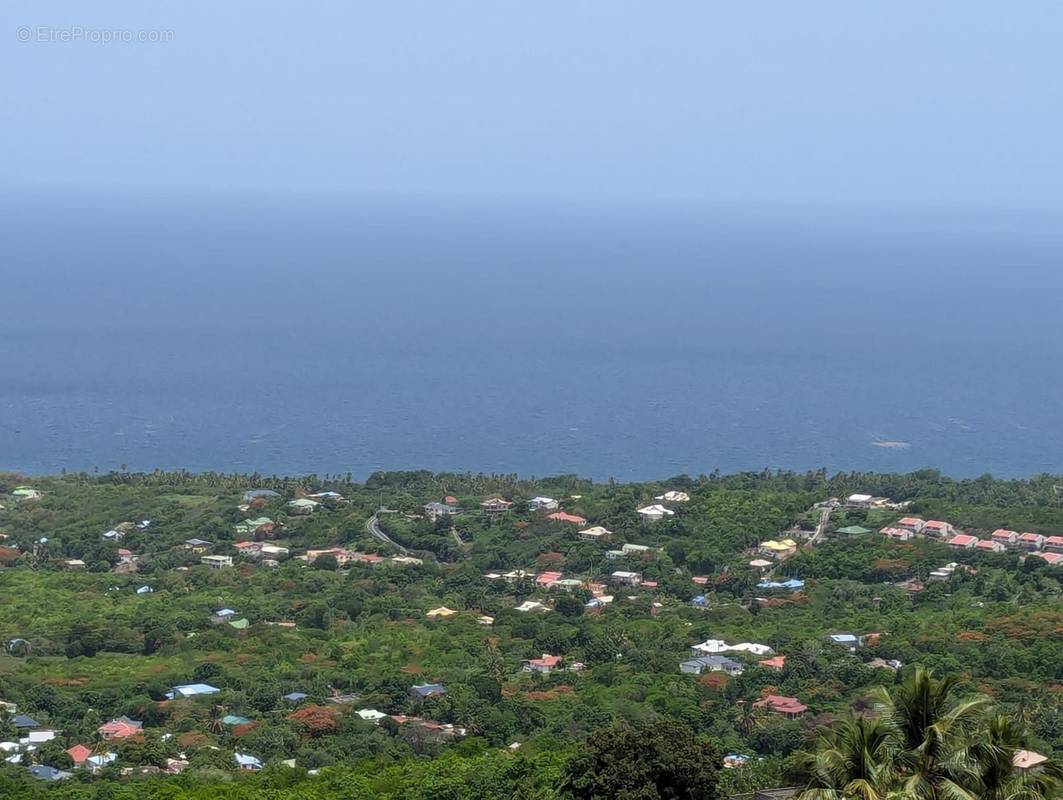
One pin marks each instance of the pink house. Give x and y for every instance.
(913, 524)
(962, 542)
(990, 546)
(561, 516)
(542, 665)
(789, 707)
(547, 579)
(1031, 542)
(1055, 559)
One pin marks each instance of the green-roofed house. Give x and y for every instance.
(232, 720)
(249, 526)
(853, 530)
(240, 624)
(302, 506)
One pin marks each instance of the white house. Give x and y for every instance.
(627, 578)
(542, 504)
(673, 497)
(654, 513)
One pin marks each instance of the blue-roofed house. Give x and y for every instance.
(22, 721)
(44, 773)
(232, 720)
(245, 761)
(427, 690)
(695, 666)
(296, 697)
(700, 601)
(845, 640)
(145, 590)
(191, 690)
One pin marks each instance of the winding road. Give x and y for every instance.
(373, 526)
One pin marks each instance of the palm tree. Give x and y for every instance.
(853, 761)
(993, 752)
(933, 726)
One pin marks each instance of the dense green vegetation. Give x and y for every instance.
(83, 647)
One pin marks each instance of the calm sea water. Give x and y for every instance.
(636, 343)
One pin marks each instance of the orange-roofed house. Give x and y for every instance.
(563, 516)
(79, 754)
(962, 542)
(789, 707)
(776, 663)
(121, 728)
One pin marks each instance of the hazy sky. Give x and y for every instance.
(947, 104)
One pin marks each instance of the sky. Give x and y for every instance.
(903, 104)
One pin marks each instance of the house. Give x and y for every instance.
(755, 648)
(216, 562)
(673, 497)
(121, 728)
(483, 619)
(79, 754)
(1054, 559)
(776, 663)
(295, 697)
(442, 611)
(27, 493)
(426, 690)
(39, 736)
(627, 578)
(1031, 542)
(126, 556)
(709, 647)
(23, 721)
(898, 534)
(853, 530)
(564, 516)
(43, 773)
(547, 579)
(594, 534)
(191, 690)
(778, 549)
(567, 584)
(542, 665)
(793, 584)
(936, 527)
(223, 615)
(913, 524)
(699, 601)
(989, 546)
(302, 506)
(634, 549)
(371, 715)
(263, 525)
(255, 494)
(74, 563)
(789, 707)
(962, 541)
(406, 560)
(654, 513)
(1053, 544)
(436, 510)
(1006, 537)
(196, 546)
(247, 762)
(756, 563)
(613, 555)
(336, 497)
(846, 640)
(1027, 760)
(145, 590)
(696, 666)
(859, 501)
(495, 505)
(113, 535)
(232, 720)
(274, 551)
(531, 605)
(97, 762)
(542, 504)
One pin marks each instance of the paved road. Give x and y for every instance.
(373, 526)
(824, 515)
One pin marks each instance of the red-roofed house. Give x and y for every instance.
(1006, 537)
(1055, 559)
(990, 546)
(121, 728)
(913, 524)
(962, 542)
(789, 707)
(936, 527)
(366, 558)
(776, 663)
(1054, 544)
(542, 665)
(547, 579)
(700, 580)
(562, 516)
(1031, 542)
(79, 754)
(897, 534)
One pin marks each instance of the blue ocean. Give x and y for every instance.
(291, 336)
